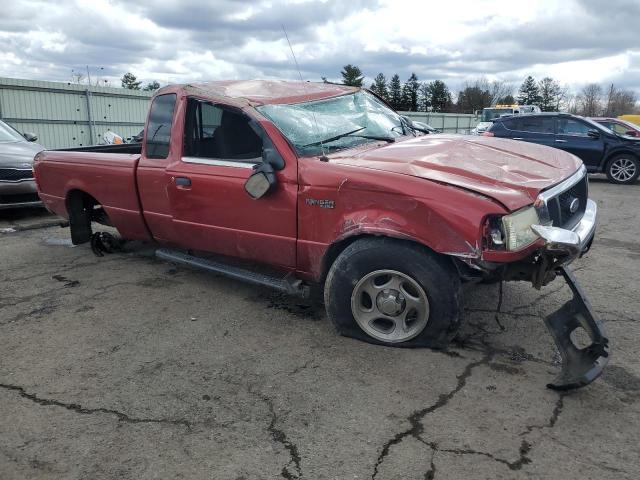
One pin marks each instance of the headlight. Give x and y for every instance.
(517, 228)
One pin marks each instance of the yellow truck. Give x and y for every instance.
(631, 118)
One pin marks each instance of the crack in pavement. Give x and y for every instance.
(74, 407)
(553, 419)
(537, 300)
(525, 448)
(415, 419)
(292, 470)
(279, 436)
(431, 473)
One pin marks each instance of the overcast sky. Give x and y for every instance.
(574, 41)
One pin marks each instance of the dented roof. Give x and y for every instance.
(265, 92)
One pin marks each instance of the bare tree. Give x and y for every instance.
(619, 102)
(77, 77)
(589, 100)
(500, 89)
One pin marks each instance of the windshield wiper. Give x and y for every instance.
(375, 137)
(331, 139)
(351, 134)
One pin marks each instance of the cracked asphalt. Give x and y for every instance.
(127, 367)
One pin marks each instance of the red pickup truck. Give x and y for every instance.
(297, 184)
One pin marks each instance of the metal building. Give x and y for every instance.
(71, 115)
(446, 122)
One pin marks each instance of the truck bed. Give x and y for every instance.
(130, 148)
(109, 178)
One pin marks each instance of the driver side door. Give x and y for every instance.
(210, 209)
(573, 136)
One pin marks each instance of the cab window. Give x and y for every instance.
(158, 138)
(216, 132)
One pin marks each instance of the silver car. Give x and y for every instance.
(17, 186)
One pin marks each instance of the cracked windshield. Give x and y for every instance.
(335, 124)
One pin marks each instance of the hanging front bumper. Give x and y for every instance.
(580, 366)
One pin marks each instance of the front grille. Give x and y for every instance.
(560, 205)
(15, 174)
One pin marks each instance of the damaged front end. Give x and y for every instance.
(580, 366)
(551, 250)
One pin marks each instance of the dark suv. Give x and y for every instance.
(599, 148)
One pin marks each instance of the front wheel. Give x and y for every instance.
(623, 169)
(394, 293)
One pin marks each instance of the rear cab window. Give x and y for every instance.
(158, 138)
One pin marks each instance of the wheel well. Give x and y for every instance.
(336, 248)
(83, 209)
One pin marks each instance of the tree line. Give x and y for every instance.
(413, 95)
(435, 96)
(131, 82)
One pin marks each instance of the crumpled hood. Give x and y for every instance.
(18, 154)
(509, 171)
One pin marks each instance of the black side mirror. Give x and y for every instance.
(30, 137)
(271, 156)
(631, 133)
(593, 133)
(262, 180)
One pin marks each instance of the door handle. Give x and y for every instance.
(182, 181)
(518, 138)
(561, 141)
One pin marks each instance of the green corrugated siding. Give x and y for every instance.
(58, 113)
(447, 122)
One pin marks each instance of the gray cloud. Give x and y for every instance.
(47, 41)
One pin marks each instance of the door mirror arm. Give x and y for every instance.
(593, 133)
(271, 156)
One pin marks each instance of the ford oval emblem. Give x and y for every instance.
(574, 205)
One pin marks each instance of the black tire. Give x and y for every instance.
(434, 273)
(623, 169)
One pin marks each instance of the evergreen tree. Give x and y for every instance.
(529, 93)
(405, 98)
(352, 76)
(551, 94)
(507, 100)
(395, 92)
(379, 86)
(151, 86)
(130, 81)
(439, 96)
(412, 87)
(424, 97)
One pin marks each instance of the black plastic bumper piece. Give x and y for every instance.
(580, 366)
